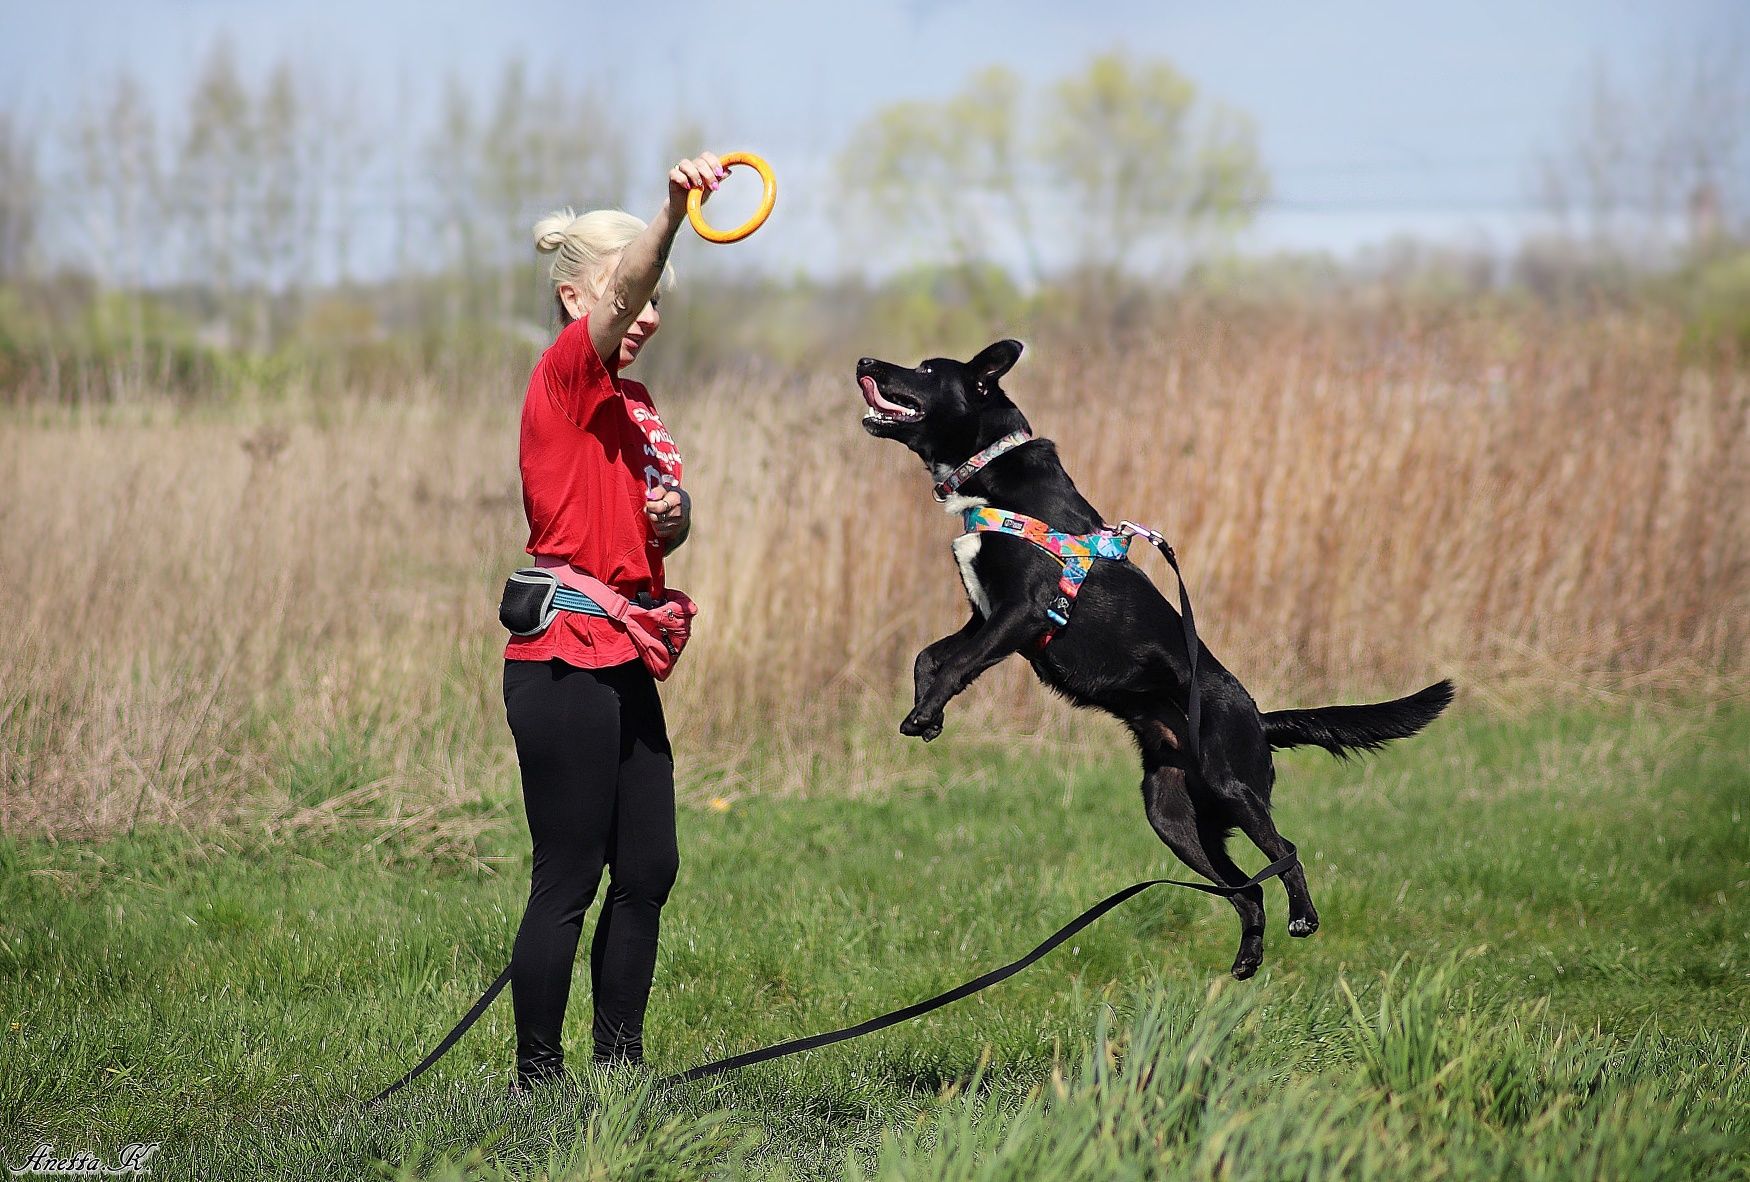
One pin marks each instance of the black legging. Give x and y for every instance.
(598, 783)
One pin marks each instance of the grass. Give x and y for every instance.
(1533, 964)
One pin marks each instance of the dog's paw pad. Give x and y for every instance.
(922, 728)
(1302, 927)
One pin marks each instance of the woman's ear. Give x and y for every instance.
(993, 362)
(572, 299)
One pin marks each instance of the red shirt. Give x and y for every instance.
(591, 445)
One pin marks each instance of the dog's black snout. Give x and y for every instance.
(865, 363)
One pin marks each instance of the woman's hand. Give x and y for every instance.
(671, 514)
(703, 171)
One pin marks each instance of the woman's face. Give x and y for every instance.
(643, 328)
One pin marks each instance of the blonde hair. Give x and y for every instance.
(583, 247)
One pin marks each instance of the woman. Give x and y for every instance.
(602, 491)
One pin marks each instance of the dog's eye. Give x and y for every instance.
(924, 369)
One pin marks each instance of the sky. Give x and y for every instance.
(1375, 119)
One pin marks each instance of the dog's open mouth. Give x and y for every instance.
(884, 410)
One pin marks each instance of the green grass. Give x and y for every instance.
(1533, 965)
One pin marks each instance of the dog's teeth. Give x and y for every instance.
(900, 416)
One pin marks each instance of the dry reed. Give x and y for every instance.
(199, 605)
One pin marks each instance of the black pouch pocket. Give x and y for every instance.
(527, 607)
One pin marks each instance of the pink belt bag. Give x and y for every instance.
(658, 629)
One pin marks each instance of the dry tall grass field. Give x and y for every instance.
(289, 607)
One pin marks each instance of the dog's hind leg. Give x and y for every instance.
(1245, 805)
(1237, 770)
(1166, 799)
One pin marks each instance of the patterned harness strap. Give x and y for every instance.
(1075, 551)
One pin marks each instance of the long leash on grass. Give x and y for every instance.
(796, 1046)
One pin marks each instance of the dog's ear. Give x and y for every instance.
(992, 363)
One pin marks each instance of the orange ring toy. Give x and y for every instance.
(769, 198)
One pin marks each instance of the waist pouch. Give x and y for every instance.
(658, 628)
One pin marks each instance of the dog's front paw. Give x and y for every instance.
(921, 726)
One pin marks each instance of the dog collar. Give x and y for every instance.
(947, 488)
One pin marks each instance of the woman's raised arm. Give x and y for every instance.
(641, 263)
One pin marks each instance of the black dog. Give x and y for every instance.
(1122, 649)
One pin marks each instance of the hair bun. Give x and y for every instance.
(550, 231)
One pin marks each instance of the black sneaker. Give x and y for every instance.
(521, 1086)
(620, 1065)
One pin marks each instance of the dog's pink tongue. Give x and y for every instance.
(872, 396)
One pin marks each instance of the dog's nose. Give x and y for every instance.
(865, 362)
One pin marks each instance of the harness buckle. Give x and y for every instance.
(1154, 537)
(1058, 612)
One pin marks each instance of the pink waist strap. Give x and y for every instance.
(611, 601)
(658, 632)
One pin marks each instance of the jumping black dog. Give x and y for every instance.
(1122, 650)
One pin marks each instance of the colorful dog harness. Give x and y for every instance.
(1075, 551)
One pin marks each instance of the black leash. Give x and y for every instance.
(892, 1018)
(443, 1048)
(905, 1013)
(1193, 698)
(1193, 716)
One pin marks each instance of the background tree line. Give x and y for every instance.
(271, 228)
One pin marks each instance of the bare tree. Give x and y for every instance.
(508, 171)
(20, 194)
(281, 222)
(451, 156)
(116, 186)
(214, 178)
(341, 154)
(543, 146)
(539, 146)
(1639, 161)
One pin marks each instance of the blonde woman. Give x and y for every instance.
(602, 492)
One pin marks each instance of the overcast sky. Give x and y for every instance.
(1376, 118)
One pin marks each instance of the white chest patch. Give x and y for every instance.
(966, 549)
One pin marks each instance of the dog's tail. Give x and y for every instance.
(1347, 730)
